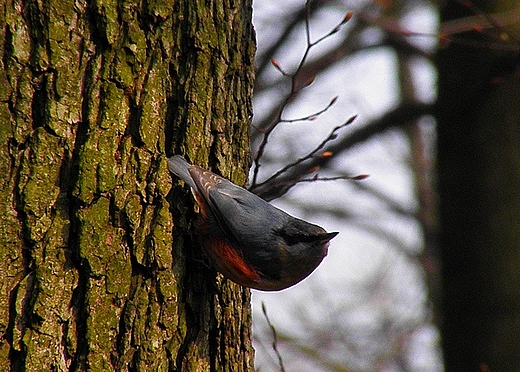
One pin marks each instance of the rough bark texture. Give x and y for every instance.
(96, 272)
(479, 184)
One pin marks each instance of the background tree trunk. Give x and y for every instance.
(479, 184)
(94, 275)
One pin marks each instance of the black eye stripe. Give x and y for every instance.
(300, 237)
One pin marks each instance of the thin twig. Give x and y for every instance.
(333, 135)
(315, 178)
(275, 338)
(399, 116)
(294, 88)
(489, 18)
(312, 116)
(359, 177)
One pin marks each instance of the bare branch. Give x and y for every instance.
(295, 88)
(312, 116)
(276, 64)
(275, 338)
(401, 115)
(347, 17)
(330, 137)
(460, 25)
(491, 19)
(293, 21)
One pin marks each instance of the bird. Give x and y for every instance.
(248, 240)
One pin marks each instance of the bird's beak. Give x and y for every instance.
(328, 236)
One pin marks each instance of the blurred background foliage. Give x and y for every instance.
(409, 72)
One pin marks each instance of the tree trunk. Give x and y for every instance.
(479, 184)
(95, 272)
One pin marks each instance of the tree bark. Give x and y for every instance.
(479, 185)
(97, 270)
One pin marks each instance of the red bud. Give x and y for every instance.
(347, 17)
(351, 119)
(310, 81)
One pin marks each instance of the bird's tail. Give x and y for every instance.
(180, 167)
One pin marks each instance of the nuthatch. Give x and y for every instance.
(247, 239)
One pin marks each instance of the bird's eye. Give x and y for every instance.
(291, 240)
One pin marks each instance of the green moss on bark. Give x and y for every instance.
(93, 264)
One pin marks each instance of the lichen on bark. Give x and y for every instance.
(97, 272)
